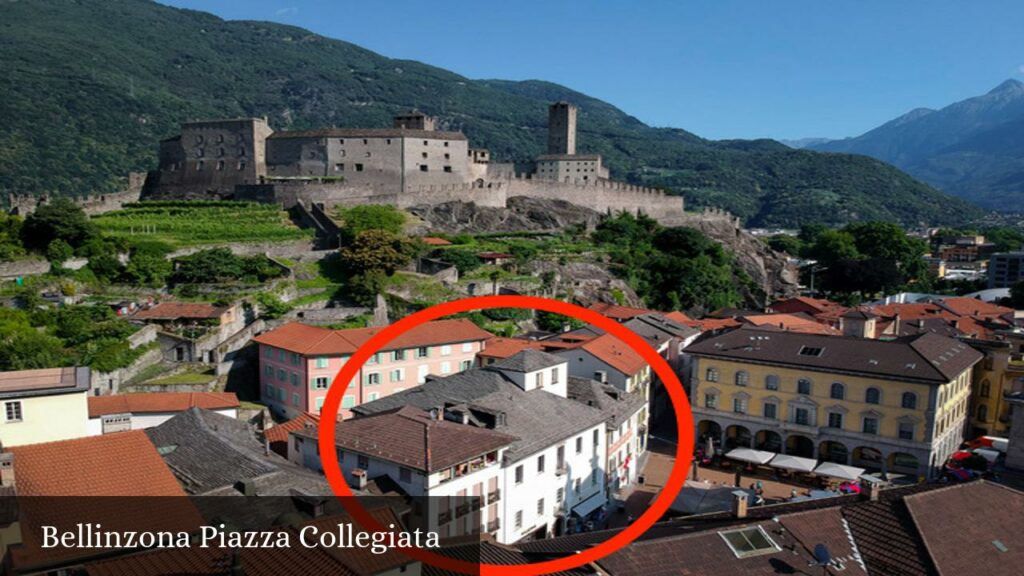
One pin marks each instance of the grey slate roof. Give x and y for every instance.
(528, 360)
(537, 418)
(615, 404)
(925, 357)
(209, 453)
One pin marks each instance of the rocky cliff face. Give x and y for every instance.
(770, 272)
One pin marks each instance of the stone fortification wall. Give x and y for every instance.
(25, 204)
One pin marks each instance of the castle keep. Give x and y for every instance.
(412, 163)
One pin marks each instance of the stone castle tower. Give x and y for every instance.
(562, 128)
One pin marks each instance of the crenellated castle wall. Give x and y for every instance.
(25, 204)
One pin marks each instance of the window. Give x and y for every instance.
(711, 401)
(424, 154)
(597, 439)
(579, 445)
(268, 352)
(340, 167)
(270, 392)
(295, 399)
(835, 420)
(447, 168)
(446, 367)
(982, 412)
(771, 382)
(519, 519)
(986, 389)
(593, 476)
(870, 426)
(540, 464)
(446, 350)
(405, 475)
(742, 378)
(281, 355)
(739, 405)
(519, 474)
(712, 375)
(803, 387)
(771, 410)
(363, 462)
(810, 351)
(372, 396)
(294, 379)
(373, 378)
(359, 167)
(539, 379)
(282, 375)
(321, 383)
(422, 352)
(560, 496)
(322, 362)
(398, 375)
(423, 168)
(873, 396)
(802, 416)
(398, 355)
(906, 431)
(909, 401)
(749, 542)
(540, 507)
(467, 347)
(374, 359)
(466, 365)
(348, 401)
(837, 392)
(268, 370)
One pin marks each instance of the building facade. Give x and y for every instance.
(298, 363)
(43, 405)
(897, 406)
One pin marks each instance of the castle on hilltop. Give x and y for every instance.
(412, 163)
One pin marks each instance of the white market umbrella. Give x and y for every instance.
(750, 456)
(794, 463)
(840, 471)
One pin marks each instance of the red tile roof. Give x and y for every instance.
(812, 306)
(613, 352)
(434, 241)
(680, 317)
(791, 322)
(175, 310)
(410, 437)
(961, 525)
(119, 464)
(973, 307)
(617, 312)
(712, 324)
(499, 347)
(280, 432)
(313, 340)
(160, 402)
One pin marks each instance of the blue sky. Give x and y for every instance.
(719, 68)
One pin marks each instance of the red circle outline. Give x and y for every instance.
(668, 493)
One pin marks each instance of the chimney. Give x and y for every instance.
(360, 475)
(739, 504)
(896, 324)
(7, 470)
(870, 490)
(246, 487)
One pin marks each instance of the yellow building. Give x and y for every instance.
(891, 405)
(999, 373)
(43, 405)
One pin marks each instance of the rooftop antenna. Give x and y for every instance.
(822, 557)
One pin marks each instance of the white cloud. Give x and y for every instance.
(286, 11)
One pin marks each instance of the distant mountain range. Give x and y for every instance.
(973, 149)
(89, 87)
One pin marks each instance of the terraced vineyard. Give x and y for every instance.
(192, 223)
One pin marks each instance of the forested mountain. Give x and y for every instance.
(88, 88)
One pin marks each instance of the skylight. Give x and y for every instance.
(749, 542)
(811, 351)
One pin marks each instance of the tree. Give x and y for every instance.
(464, 260)
(146, 269)
(791, 245)
(552, 322)
(364, 288)
(59, 251)
(377, 250)
(106, 267)
(59, 219)
(358, 219)
(271, 306)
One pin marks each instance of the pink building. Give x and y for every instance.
(298, 362)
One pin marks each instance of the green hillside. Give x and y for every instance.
(88, 87)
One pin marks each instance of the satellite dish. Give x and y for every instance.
(822, 557)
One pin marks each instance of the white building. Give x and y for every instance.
(122, 412)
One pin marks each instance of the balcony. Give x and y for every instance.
(476, 503)
(494, 496)
(461, 510)
(444, 518)
(494, 525)
(561, 470)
